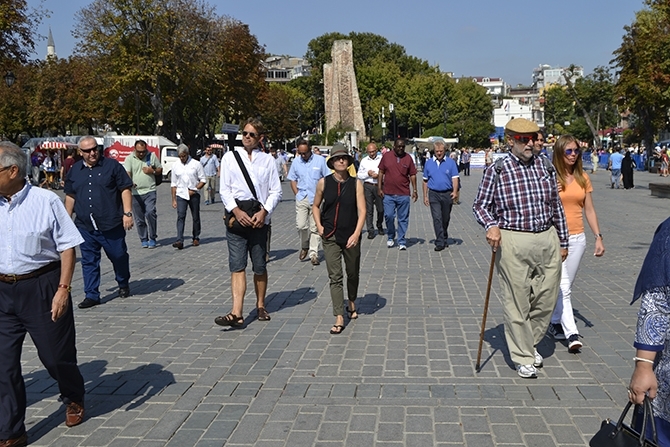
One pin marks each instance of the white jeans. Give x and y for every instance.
(563, 311)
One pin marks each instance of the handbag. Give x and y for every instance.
(623, 435)
(158, 178)
(250, 207)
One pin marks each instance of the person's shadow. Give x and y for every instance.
(370, 303)
(495, 337)
(104, 393)
(146, 287)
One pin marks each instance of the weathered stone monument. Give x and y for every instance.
(340, 91)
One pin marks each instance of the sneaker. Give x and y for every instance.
(539, 361)
(371, 234)
(556, 331)
(402, 247)
(526, 371)
(145, 244)
(390, 243)
(152, 243)
(206, 202)
(574, 345)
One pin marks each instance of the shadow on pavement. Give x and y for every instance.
(495, 337)
(104, 393)
(370, 303)
(276, 255)
(578, 315)
(412, 241)
(146, 287)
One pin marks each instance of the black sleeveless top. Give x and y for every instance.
(340, 213)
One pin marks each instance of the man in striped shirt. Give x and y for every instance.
(518, 205)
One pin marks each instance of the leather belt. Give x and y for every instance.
(11, 279)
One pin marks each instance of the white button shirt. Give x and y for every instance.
(263, 172)
(369, 164)
(187, 176)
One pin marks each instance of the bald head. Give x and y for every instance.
(371, 149)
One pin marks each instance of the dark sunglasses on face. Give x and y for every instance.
(572, 151)
(525, 139)
(251, 134)
(340, 157)
(88, 151)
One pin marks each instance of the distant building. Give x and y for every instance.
(545, 75)
(51, 47)
(495, 87)
(285, 68)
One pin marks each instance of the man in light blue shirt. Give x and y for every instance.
(306, 170)
(615, 166)
(210, 164)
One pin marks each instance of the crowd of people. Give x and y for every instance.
(531, 208)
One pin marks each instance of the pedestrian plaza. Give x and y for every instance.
(159, 372)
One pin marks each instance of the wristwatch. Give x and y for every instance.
(599, 235)
(128, 214)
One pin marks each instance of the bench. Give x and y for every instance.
(660, 190)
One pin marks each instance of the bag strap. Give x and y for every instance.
(648, 416)
(245, 173)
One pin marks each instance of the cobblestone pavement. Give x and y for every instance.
(159, 372)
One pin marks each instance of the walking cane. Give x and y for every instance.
(486, 307)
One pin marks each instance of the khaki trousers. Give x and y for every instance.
(304, 221)
(336, 253)
(529, 269)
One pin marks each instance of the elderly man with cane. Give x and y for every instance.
(518, 205)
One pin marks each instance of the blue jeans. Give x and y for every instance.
(194, 205)
(616, 174)
(396, 206)
(114, 244)
(144, 212)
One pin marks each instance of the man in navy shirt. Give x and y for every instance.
(440, 188)
(98, 191)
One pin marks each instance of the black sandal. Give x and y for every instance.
(351, 314)
(337, 329)
(262, 314)
(231, 320)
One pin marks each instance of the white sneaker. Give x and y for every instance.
(526, 371)
(402, 247)
(538, 360)
(390, 243)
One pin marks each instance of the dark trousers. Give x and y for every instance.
(373, 202)
(440, 210)
(466, 168)
(114, 244)
(144, 212)
(25, 306)
(194, 206)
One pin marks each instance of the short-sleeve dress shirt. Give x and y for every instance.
(97, 193)
(307, 174)
(35, 229)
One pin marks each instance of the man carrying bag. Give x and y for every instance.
(250, 190)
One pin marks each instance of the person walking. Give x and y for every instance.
(368, 173)
(594, 160)
(340, 223)
(465, 161)
(575, 192)
(519, 207)
(188, 178)
(251, 203)
(627, 169)
(143, 167)
(396, 172)
(98, 191)
(306, 170)
(37, 259)
(615, 166)
(440, 190)
(210, 164)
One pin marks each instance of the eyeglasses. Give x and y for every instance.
(251, 134)
(5, 168)
(88, 151)
(340, 157)
(523, 138)
(572, 151)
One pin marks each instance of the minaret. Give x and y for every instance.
(51, 47)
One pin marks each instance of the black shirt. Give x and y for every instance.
(340, 213)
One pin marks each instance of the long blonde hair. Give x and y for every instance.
(562, 168)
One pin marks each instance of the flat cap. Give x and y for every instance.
(521, 125)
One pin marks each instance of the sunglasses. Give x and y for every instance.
(88, 151)
(572, 151)
(340, 158)
(251, 134)
(523, 138)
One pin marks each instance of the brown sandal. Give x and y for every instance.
(262, 314)
(231, 320)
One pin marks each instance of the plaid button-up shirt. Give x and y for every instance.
(520, 198)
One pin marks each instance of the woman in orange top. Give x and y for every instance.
(575, 192)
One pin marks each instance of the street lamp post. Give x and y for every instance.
(10, 78)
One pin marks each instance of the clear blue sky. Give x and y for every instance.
(491, 38)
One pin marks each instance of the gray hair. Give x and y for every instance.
(12, 155)
(88, 137)
(183, 148)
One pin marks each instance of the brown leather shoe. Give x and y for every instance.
(21, 441)
(74, 414)
(196, 242)
(303, 254)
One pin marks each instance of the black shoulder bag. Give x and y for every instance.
(250, 207)
(623, 435)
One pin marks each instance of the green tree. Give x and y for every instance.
(558, 109)
(643, 64)
(470, 111)
(17, 31)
